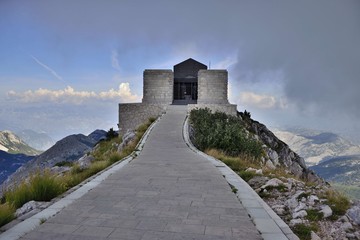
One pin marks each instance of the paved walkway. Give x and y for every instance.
(168, 192)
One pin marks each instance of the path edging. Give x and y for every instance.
(268, 223)
(32, 222)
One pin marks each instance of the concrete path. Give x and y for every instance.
(168, 192)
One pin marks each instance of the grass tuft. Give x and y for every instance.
(6, 213)
(338, 203)
(303, 231)
(314, 215)
(19, 195)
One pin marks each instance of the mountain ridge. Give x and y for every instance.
(11, 143)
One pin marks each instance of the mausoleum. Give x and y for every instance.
(190, 83)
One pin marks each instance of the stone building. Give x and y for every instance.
(190, 83)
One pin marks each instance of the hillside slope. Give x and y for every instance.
(9, 163)
(68, 149)
(11, 143)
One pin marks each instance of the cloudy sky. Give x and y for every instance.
(65, 65)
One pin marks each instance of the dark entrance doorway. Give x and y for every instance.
(186, 81)
(185, 91)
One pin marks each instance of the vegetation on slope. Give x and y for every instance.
(223, 132)
(45, 185)
(224, 137)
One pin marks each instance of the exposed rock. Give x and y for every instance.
(278, 152)
(301, 206)
(293, 202)
(274, 182)
(269, 165)
(296, 221)
(346, 226)
(85, 161)
(27, 207)
(127, 138)
(250, 169)
(274, 157)
(300, 214)
(279, 209)
(312, 199)
(326, 210)
(354, 214)
(257, 181)
(314, 236)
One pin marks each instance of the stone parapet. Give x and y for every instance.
(212, 87)
(226, 108)
(158, 86)
(132, 115)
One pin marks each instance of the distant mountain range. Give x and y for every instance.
(40, 141)
(68, 149)
(316, 146)
(329, 155)
(343, 169)
(11, 143)
(9, 163)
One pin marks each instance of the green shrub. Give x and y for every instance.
(19, 195)
(314, 215)
(115, 157)
(44, 186)
(303, 231)
(247, 175)
(224, 132)
(111, 134)
(6, 213)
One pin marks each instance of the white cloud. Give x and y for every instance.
(70, 95)
(123, 93)
(114, 60)
(262, 101)
(47, 68)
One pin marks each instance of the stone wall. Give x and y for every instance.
(158, 86)
(131, 115)
(212, 87)
(226, 108)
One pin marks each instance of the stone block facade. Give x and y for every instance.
(212, 87)
(132, 115)
(158, 86)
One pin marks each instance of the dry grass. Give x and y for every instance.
(337, 201)
(237, 164)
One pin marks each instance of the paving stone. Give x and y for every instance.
(167, 192)
(94, 231)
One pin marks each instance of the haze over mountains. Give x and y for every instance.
(329, 155)
(40, 141)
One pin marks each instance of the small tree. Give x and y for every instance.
(247, 114)
(111, 134)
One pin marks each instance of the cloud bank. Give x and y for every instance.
(70, 95)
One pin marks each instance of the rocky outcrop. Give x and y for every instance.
(277, 152)
(298, 203)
